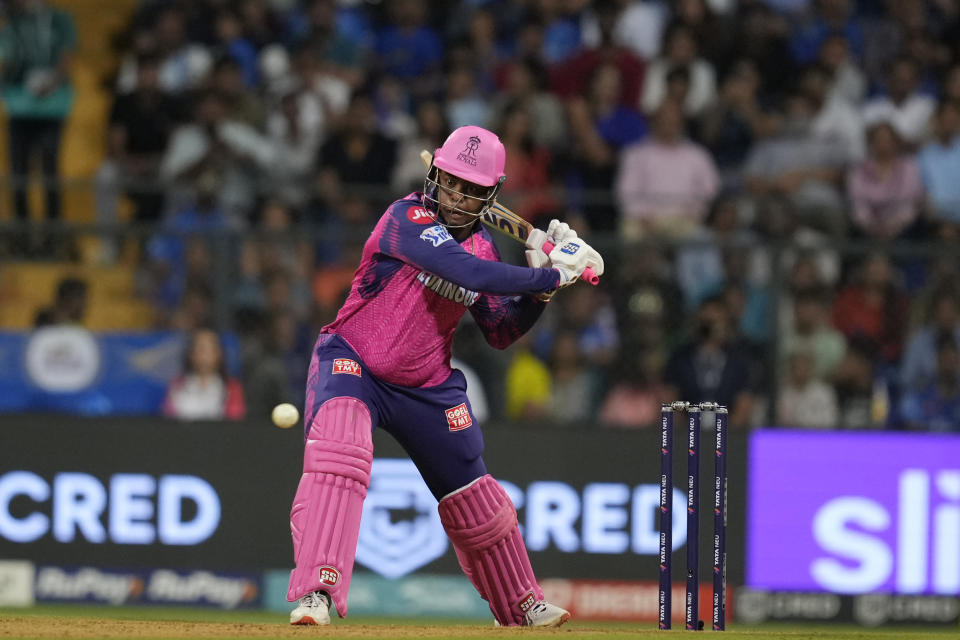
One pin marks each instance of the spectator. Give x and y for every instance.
(856, 384)
(356, 156)
(680, 51)
(466, 104)
(529, 384)
(640, 27)
(638, 391)
(828, 17)
(590, 317)
(873, 308)
(885, 189)
(572, 77)
(220, 154)
(665, 184)
(730, 126)
(572, 391)
(409, 48)
(813, 334)
(431, 127)
(69, 306)
(833, 117)
(36, 48)
(600, 126)
(804, 400)
(799, 170)
(140, 126)
(273, 373)
(709, 369)
(183, 65)
(940, 165)
(936, 406)
(530, 191)
(524, 83)
(295, 138)
(904, 106)
(243, 102)
(763, 38)
(848, 82)
(918, 366)
(204, 390)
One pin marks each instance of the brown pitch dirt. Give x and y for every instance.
(88, 628)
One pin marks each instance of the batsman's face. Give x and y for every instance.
(459, 198)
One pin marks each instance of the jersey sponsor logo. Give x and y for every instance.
(329, 576)
(570, 248)
(527, 601)
(458, 417)
(436, 235)
(419, 215)
(345, 365)
(448, 290)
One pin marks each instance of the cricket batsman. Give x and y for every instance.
(385, 362)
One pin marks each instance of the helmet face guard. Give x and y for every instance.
(475, 156)
(431, 198)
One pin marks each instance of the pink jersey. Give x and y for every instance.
(414, 283)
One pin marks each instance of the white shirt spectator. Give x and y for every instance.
(702, 93)
(911, 118)
(813, 406)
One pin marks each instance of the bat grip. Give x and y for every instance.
(588, 275)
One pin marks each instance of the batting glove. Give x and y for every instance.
(560, 232)
(570, 259)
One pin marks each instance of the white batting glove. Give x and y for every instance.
(594, 260)
(560, 232)
(570, 259)
(536, 256)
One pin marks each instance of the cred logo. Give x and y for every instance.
(458, 418)
(419, 215)
(345, 365)
(329, 576)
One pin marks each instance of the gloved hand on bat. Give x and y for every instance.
(570, 255)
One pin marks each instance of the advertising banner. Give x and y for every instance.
(95, 585)
(145, 493)
(854, 512)
(71, 370)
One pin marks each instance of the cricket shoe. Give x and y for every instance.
(313, 608)
(543, 614)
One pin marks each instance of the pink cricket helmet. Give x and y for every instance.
(473, 154)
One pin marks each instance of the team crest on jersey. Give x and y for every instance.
(458, 417)
(419, 215)
(436, 235)
(345, 365)
(447, 289)
(469, 153)
(329, 576)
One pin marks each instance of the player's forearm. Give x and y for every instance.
(504, 320)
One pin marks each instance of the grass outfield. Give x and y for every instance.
(154, 623)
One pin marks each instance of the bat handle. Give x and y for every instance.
(588, 274)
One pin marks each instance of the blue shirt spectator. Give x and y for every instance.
(936, 407)
(940, 164)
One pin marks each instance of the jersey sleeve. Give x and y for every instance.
(413, 235)
(503, 319)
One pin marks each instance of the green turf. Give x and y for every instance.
(435, 629)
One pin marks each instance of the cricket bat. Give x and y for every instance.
(501, 219)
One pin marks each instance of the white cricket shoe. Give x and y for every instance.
(543, 614)
(313, 608)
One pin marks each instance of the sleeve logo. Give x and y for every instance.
(419, 215)
(345, 365)
(436, 235)
(458, 418)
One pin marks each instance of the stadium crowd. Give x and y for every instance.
(775, 183)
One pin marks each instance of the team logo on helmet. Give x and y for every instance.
(469, 153)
